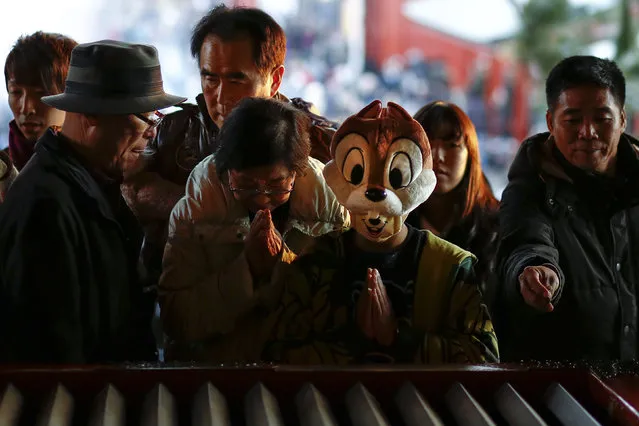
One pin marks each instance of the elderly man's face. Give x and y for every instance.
(229, 74)
(32, 116)
(587, 123)
(122, 139)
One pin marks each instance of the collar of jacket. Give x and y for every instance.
(298, 103)
(20, 148)
(539, 152)
(209, 124)
(312, 204)
(310, 110)
(58, 157)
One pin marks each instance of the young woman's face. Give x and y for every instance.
(450, 158)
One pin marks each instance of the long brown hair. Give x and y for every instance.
(438, 119)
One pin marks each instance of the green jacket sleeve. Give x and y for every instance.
(466, 334)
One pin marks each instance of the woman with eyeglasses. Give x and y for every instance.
(257, 201)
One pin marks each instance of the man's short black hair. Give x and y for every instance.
(578, 71)
(230, 24)
(262, 132)
(41, 60)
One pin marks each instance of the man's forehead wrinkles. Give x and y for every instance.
(223, 70)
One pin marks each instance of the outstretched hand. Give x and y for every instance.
(538, 285)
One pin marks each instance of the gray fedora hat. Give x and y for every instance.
(113, 77)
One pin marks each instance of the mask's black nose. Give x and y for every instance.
(374, 222)
(375, 194)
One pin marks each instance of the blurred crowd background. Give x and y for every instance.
(489, 56)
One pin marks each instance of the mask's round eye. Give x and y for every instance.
(400, 173)
(353, 168)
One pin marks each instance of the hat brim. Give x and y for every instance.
(97, 105)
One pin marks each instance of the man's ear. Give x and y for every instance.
(549, 121)
(276, 79)
(623, 120)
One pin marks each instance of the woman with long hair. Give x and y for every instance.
(463, 208)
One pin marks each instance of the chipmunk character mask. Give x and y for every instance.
(381, 169)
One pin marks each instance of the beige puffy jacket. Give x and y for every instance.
(207, 295)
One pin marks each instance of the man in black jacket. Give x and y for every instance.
(569, 252)
(69, 289)
(240, 53)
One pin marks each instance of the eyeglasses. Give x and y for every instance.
(152, 121)
(248, 192)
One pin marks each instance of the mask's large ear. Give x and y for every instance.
(399, 113)
(360, 122)
(372, 110)
(411, 129)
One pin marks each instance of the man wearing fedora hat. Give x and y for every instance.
(69, 288)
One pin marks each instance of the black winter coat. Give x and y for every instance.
(69, 289)
(587, 227)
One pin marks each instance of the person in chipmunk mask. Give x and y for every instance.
(382, 291)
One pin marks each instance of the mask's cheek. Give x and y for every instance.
(336, 182)
(417, 192)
